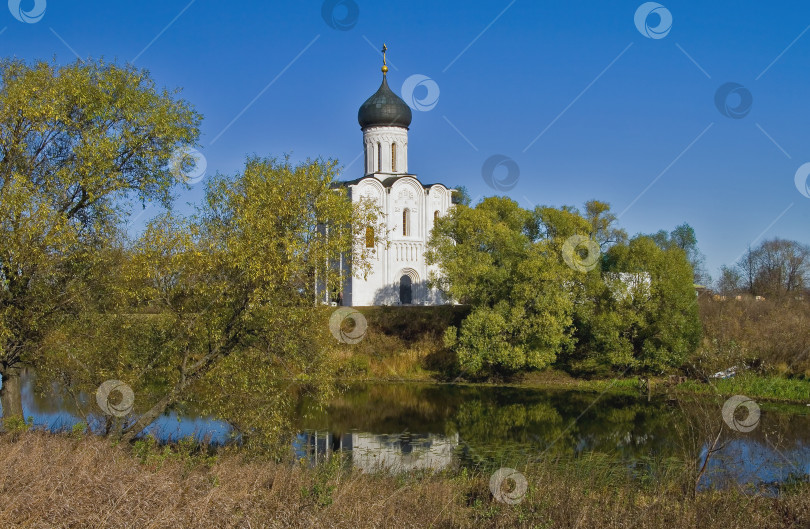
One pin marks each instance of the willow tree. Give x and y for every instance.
(76, 143)
(641, 316)
(493, 258)
(234, 288)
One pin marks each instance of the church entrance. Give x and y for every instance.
(405, 290)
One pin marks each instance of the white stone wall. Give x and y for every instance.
(390, 453)
(405, 254)
(377, 143)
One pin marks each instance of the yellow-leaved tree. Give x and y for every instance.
(77, 142)
(215, 312)
(238, 282)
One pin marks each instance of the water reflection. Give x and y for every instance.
(381, 452)
(57, 410)
(401, 427)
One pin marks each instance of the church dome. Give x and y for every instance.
(384, 108)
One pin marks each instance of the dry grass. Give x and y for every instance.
(59, 481)
(402, 343)
(771, 335)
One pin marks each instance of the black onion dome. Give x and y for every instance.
(384, 108)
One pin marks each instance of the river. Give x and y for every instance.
(409, 426)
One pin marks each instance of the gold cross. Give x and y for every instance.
(384, 49)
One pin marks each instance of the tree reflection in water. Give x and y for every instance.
(400, 427)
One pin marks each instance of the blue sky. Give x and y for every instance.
(586, 104)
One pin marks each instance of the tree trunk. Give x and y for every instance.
(147, 418)
(115, 428)
(709, 451)
(11, 392)
(187, 376)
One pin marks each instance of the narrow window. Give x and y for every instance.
(406, 220)
(379, 157)
(393, 157)
(435, 216)
(369, 237)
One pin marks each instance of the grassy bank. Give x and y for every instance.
(402, 343)
(763, 387)
(405, 344)
(773, 388)
(64, 481)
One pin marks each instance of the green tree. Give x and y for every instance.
(684, 237)
(490, 257)
(76, 142)
(603, 224)
(461, 196)
(552, 285)
(642, 315)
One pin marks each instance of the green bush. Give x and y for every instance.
(641, 315)
(536, 300)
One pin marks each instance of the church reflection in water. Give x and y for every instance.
(380, 452)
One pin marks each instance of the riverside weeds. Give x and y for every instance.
(52, 480)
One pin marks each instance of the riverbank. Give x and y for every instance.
(404, 344)
(51, 480)
(764, 388)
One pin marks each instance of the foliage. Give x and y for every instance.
(325, 481)
(684, 237)
(642, 315)
(488, 258)
(187, 451)
(76, 142)
(16, 425)
(461, 196)
(632, 308)
(79, 429)
(205, 316)
(730, 280)
(603, 224)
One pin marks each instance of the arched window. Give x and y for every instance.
(435, 216)
(393, 157)
(406, 222)
(369, 237)
(379, 157)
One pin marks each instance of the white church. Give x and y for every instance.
(399, 272)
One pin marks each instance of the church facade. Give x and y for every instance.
(399, 272)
